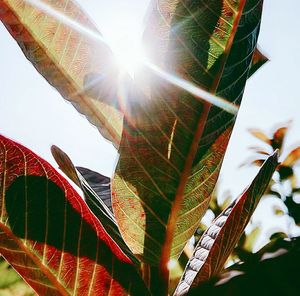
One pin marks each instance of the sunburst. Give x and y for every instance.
(130, 57)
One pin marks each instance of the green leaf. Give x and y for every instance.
(49, 235)
(64, 46)
(257, 133)
(173, 143)
(219, 240)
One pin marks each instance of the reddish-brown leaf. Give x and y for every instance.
(48, 234)
(260, 135)
(258, 60)
(292, 157)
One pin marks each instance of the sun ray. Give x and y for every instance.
(131, 60)
(193, 89)
(66, 20)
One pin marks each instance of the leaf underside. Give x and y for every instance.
(99, 183)
(66, 56)
(219, 240)
(94, 199)
(173, 144)
(48, 234)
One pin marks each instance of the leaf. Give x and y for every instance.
(64, 46)
(94, 200)
(173, 143)
(258, 60)
(276, 273)
(48, 234)
(219, 240)
(292, 158)
(259, 150)
(11, 284)
(278, 138)
(260, 135)
(99, 183)
(84, 178)
(258, 162)
(286, 172)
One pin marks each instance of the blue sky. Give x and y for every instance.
(34, 114)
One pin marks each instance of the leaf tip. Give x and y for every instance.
(275, 156)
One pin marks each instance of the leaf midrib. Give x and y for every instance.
(170, 231)
(43, 268)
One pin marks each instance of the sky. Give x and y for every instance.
(34, 114)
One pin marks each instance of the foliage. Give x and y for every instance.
(171, 128)
(287, 186)
(218, 241)
(283, 187)
(11, 284)
(271, 271)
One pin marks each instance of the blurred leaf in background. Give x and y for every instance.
(284, 187)
(11, 284)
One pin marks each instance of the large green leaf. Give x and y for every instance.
(64, 46)
(173, 143)
(219, 240)
(48, 234)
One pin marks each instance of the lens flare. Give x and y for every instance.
(47, 9)
(193, 89)
(131, 57)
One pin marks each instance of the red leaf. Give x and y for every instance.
(258, 60)
(48, 234)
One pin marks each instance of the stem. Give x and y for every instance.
(158, 285)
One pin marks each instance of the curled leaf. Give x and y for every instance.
(95, 200)
(219, 240)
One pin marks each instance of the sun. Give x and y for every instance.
(129, 55)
